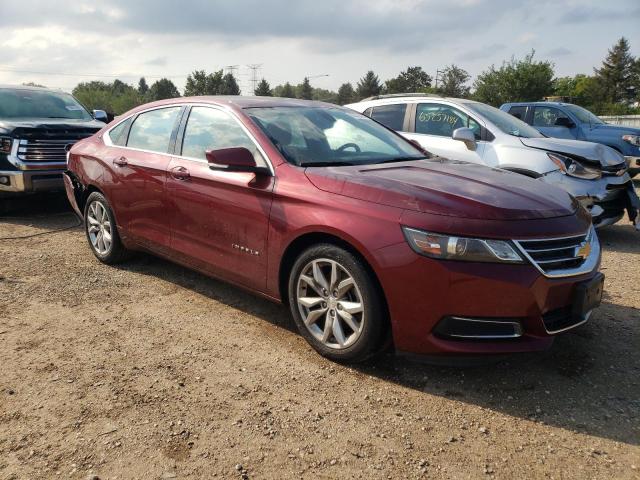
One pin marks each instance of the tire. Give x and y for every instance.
(352, 299)
(100, 224)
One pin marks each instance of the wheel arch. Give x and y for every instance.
(308, 239)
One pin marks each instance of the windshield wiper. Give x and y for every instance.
(327, 164)
(402, 159)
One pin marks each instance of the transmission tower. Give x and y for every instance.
(255, 68)
(232, 69)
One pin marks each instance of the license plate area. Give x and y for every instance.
(587, 296)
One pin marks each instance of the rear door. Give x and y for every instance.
(433, 126)
(552, 122)
(219, 219)
(139, 169)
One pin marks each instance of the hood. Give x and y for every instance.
(445, 187)
(619, 129)
(594, 152)
(53, 125)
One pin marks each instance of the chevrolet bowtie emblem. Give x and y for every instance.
(583, 250)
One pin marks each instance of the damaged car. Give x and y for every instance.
(471, 131)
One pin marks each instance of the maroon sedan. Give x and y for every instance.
(363, 235)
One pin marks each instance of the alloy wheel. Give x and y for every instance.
(330, 303)
(99, 227)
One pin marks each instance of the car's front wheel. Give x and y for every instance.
(336, 304)
(101, 230)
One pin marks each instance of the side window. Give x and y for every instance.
(519, 111)
(368, 111)
(152, 130)
(391, 116)
(549, 117)
(211, 129)
(118, 134)
(442, 120)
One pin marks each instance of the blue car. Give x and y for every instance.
(565, 120)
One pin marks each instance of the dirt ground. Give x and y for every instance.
(151, 371)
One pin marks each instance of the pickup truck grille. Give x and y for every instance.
(558, 254)
(50, 148)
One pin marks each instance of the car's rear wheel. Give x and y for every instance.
(336, 304)
(101, 230)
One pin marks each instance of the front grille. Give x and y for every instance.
(565, 254)
(50, 147)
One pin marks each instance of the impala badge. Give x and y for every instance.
(245, 249)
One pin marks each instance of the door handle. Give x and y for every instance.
(180, 173)
(121, 162)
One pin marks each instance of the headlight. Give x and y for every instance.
(632, 139)
(5, 145)
(447, 247)
(570, 167)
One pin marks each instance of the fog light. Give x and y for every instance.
(4, 180)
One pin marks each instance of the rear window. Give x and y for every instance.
(152, 130)
(27, 103)
(391, 116)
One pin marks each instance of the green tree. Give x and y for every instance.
(454, 82)
(413, 79)
(286, 91)
(515, 81)
(200, 82)
(143, 88)
(369, 85)
(163, 89)
(229, 85)
(617, 72)
(116, 98)
(263, 89)
(33, 84)
(305, 91)
(346, 94)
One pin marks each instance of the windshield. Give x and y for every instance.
(584, 115)
(27, 103)
(316, 136)
(505, 121)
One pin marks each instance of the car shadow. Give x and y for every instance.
(623, 238)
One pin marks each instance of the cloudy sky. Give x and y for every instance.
(63, 42)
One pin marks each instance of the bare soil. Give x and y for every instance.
(152, 371)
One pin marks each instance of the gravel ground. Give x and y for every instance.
(151, 371)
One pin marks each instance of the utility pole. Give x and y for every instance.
(254, 67)
(438, 73)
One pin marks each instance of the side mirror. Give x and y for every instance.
(466, 136)
(101, 116)
(564, 122)
(237, 159)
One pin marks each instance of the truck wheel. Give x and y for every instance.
(102, 232)
(336, 305)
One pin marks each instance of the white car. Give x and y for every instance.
(470, 131)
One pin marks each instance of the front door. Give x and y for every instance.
(553, 122)
(219, 219)
(434, 125)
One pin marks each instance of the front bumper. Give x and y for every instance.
(606, 199)
(31, 181)
(422, 292)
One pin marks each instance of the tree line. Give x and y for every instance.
(613, 88)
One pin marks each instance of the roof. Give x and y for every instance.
(239, 101)
(537, 103)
